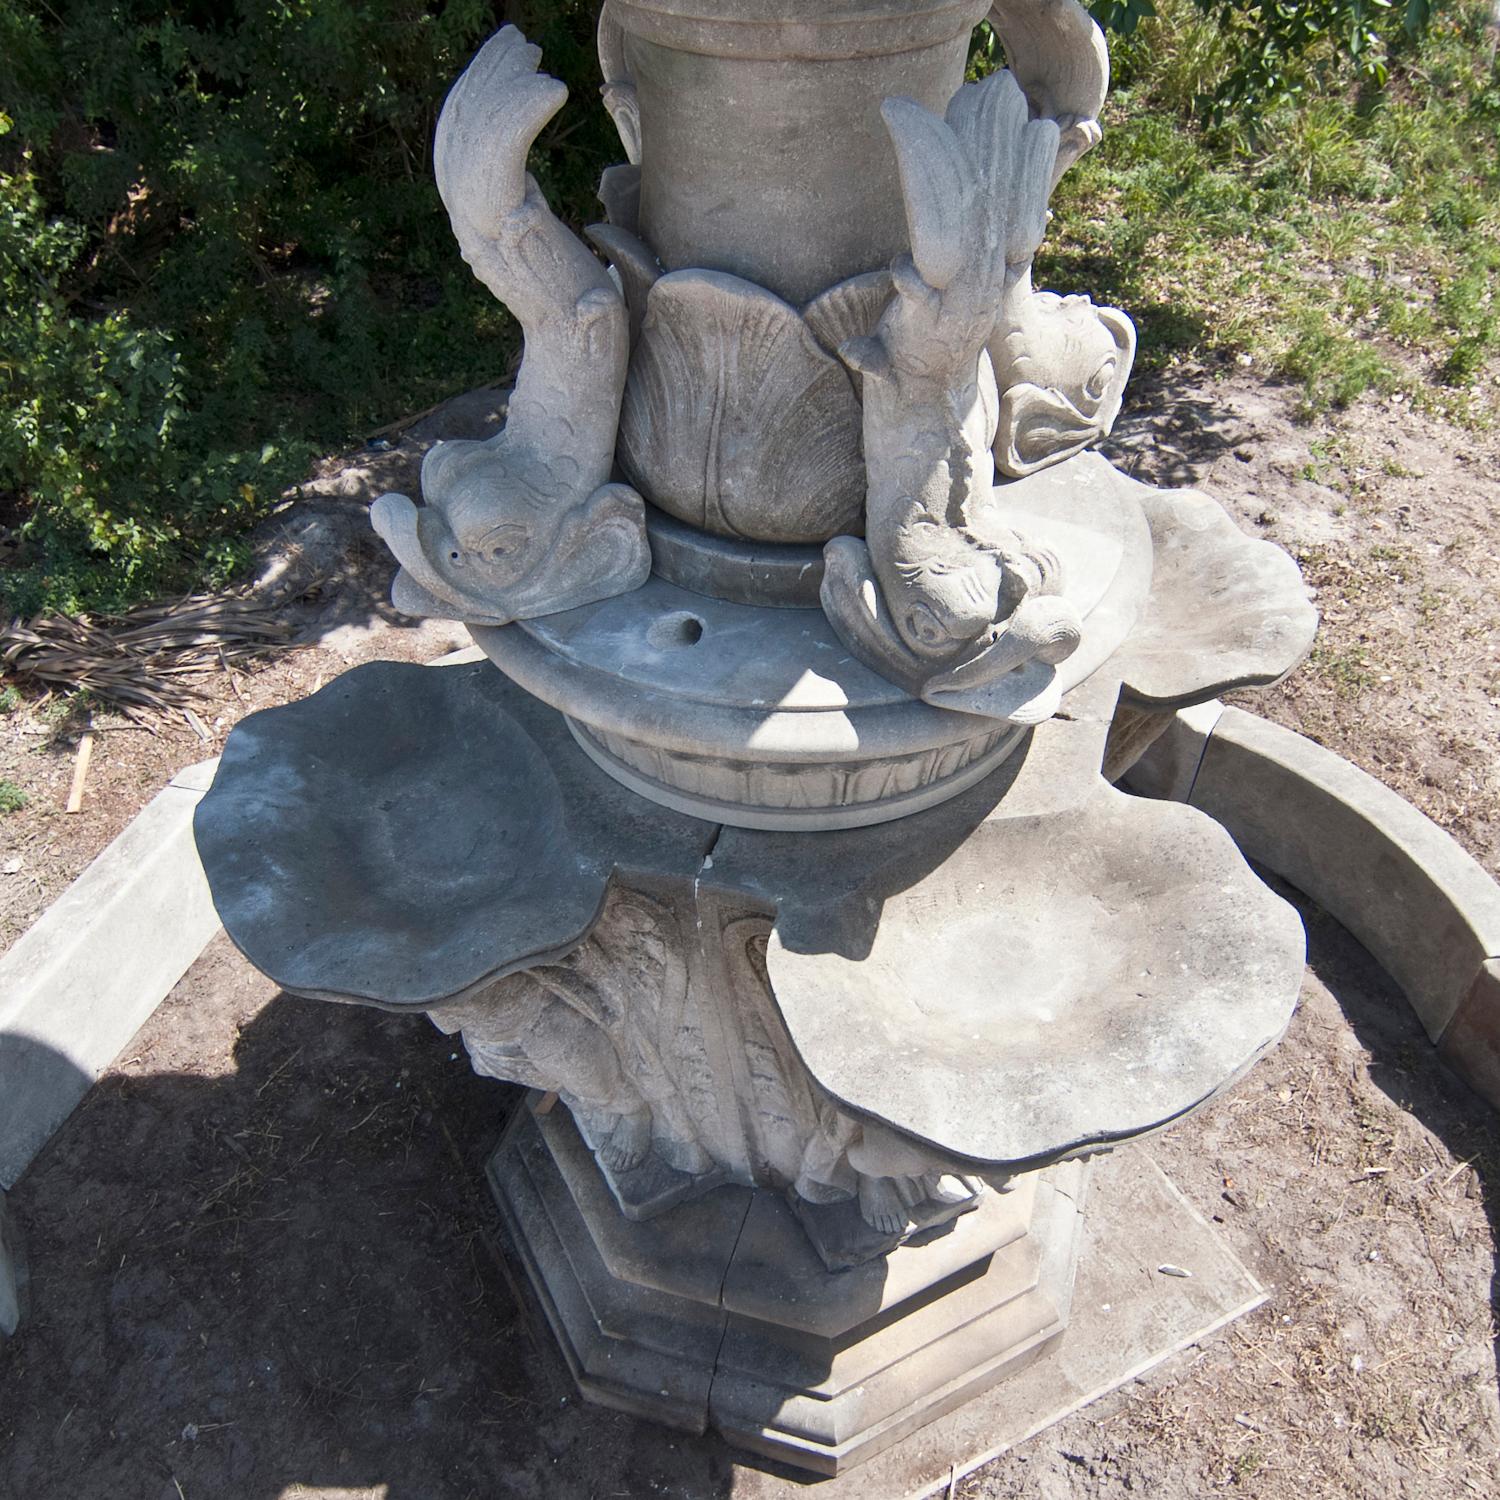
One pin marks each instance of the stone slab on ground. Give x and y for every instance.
(80, 982)
(1424, 908)
(1127, 1318)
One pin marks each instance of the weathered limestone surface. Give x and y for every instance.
(813, 1088)
(1086, 1028)
(1470, 1043)
(762, 148)
(1161, 758)
(530, 521)
(688, 994)
(486, 850)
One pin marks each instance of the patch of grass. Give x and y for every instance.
(1349, 243)
(10, 700)
(1349, 671)
(12, 797)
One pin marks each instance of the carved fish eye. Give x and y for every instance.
(503, 542)
(925, 626)
(1099, 381)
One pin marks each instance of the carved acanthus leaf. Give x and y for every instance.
(734, 419)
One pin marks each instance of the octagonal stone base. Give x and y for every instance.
(719, 1314)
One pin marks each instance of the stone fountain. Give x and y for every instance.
(776, 837)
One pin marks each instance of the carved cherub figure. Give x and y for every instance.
(527, 523)
(941, 596)
(890, 1175)
(582, 1026)
(518, 1030)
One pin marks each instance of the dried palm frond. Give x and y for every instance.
(154, 657)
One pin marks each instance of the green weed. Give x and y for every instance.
(1347, 237)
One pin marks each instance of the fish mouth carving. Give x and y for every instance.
(514, 570)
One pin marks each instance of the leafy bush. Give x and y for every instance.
(1273, 48)
(221, 250)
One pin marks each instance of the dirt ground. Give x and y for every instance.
(1394, 518)
(331, 576)
(264, 1263)
(264, 1267)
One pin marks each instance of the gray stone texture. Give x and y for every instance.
(1470, 1043)
(793, 186)
(1011, 1013)
(743, 713)
(1226, 610)
(735, 419)
(1125, 1319)
(1168, 765)
(75, 987)
(764, 718)
(893, 1377)
(1427, 911)
(528, 522)
(721, 1314)
(772, 575)
(401, 837)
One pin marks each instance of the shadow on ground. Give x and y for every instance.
(1404, 1066)
(265, 1265)
(290, 1275)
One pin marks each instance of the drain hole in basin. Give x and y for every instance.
(677, 629)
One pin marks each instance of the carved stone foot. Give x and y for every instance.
(888, 1212)
(642, 1182)
(628, 1143)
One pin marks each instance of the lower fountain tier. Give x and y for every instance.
(758, 716)
(719, 1314)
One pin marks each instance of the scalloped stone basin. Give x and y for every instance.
(1056, 983)
(1226, 610)
(396, 837)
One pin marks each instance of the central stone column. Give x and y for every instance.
(763, 152)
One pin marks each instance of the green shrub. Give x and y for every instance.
(220, 250)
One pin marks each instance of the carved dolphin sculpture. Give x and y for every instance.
(941, 598)
(1061, 362)
(527, 523)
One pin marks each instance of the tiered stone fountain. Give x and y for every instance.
(774, 838)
